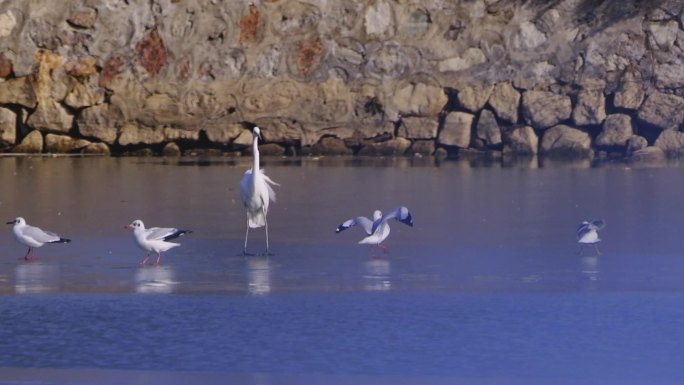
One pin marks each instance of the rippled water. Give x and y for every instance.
(488, 287)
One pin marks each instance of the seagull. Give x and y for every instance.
(377, 229)
(33, 236)
(256, 192)
(154, 239)
(587, 233)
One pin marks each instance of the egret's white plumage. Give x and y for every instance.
(33, 237)
(587, 233)
(154, 239)
(377, 229)
(256, 192)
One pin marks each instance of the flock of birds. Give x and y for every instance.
(256, 192)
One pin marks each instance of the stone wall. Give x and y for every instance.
(373, 77)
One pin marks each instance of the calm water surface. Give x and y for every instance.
(488, 287)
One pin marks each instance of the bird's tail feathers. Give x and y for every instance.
(269, 182)
(256, 220)
(62, 240)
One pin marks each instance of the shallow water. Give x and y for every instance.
(488, 286)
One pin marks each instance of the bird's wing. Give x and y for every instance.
(583, 229)
(269, 182)
(598, 224)
(158, 233)
(245, 186)
(366, 223)
(401, 214)
(40, 235)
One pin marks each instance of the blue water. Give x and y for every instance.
(570, 336)
(488, 287)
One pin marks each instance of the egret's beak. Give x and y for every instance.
(10, 222)
(128, 227)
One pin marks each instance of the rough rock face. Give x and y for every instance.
(8, 122)
(617, 131)
(31, 144)
(457, 130)
(521, 140)
(566, 141)
(543, 109)
(364, 77)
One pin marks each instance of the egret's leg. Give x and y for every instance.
(266, 224)
(28, 254)
(158, 258)
(598, 252)
(144, 261)
(244, 250)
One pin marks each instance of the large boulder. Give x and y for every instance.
(331, 145)
(8, 130)
(505, 101)
(392, 147)
(31, 144)
(64, 144)
(50, 116)
(418, 128)
(487, 129)
(223, 133)
(98, 148)
(630, 93)
(521, 140)
(101, 122)
(457, 130)
(542, 109)
(662, 110)
(565, 141)
(474, 97)
(590, 108)
(417, 99)
(671, 142)
(18, 91)
(617, 130)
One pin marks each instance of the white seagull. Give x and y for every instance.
(154, 239)
(587, 233)
(33, 236)
(256, 192)
(377, 229)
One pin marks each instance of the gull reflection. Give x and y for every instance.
(377, 275)
(32, 278)
(155, 280)
(590, 269)
(259, 275)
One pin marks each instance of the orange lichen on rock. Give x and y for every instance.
(308, 54)
(112, 68)
(6, 66)
(249, 24)
(151, 52)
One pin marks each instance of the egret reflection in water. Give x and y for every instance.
(259, 275)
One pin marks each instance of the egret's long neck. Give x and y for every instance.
(255, 151)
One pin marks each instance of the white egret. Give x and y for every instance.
(33, 237)
(256, 192)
